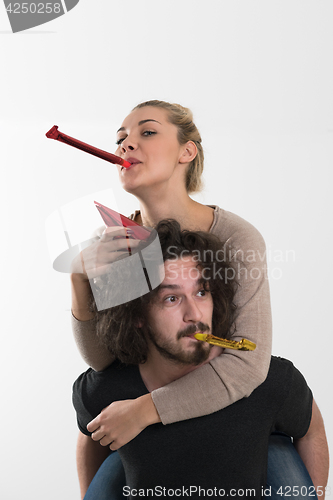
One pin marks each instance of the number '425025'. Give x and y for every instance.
(303, 491)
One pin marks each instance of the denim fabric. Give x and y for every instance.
(109, 480)
(285, 471)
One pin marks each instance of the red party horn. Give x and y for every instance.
(54, 133)
(112, 218)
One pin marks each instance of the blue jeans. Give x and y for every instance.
(109, 480)
(285, 471)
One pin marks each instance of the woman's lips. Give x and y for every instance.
(133, 161)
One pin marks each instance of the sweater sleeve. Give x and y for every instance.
(234, 374)
(94, 354)
(92, 351)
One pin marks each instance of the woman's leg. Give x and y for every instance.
(287, 475)
(109, 480)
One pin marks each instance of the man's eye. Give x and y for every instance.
(171, 298)
(119, 141)
(147, 133)
(203, 292)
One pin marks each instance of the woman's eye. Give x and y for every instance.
(203, 292)
(147, 133)
(119, 141)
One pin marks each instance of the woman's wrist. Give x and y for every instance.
(78, 267)
(81, 297)
(78, 278)
(147, 411)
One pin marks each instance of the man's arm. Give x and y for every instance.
(89, 457)
(313, 450)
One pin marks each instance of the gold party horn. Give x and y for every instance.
(242, 345)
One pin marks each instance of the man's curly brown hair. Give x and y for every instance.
(118, 327)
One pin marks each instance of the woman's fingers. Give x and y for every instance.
(110, 233)
(97, 257)
(120, 244)
(98, 435)
(106, 441)
(122, 421)
(94, 424)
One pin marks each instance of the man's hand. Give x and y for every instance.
(122, 421)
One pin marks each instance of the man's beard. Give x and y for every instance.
(174, 352)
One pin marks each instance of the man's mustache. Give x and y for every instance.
(202, 327)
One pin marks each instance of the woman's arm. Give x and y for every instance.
(92, 262)
(234, 374)
(84, 325)
(226, 379)
(81, 297)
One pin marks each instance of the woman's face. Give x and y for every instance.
(149, 141)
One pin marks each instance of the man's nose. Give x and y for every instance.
(192, 312)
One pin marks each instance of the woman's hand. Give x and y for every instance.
(122, 421)
(95, 260)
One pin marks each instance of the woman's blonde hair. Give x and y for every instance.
(182, 118)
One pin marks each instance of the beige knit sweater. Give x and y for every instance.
(234, 374)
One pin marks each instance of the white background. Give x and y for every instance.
(258, 76)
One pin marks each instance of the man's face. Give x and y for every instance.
(181, 308)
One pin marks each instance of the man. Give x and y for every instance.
(222, 454)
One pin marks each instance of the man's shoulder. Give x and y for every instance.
(277, 382)
(280, 366)
(284, 384)
(283, 376)
(93, 391)
(116, 382)
(116, 370)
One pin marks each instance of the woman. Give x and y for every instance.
(163, 145)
